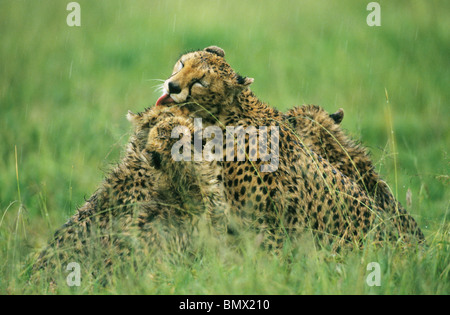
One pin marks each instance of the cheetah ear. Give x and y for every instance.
(215, 50)
(244, 81)
(132, 117)
(338, 116)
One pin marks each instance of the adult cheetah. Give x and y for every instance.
(306, 190)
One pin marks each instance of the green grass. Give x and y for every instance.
(64, 94)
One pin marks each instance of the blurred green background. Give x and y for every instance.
(65, 91)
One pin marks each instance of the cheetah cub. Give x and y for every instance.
(322, 133)
(198, 181)
(147, 205)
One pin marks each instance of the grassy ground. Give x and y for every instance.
(64, 93)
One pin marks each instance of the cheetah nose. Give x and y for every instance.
(174, 88)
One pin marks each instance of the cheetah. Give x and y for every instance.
(306, 190)
(144, 206)
(321, 132)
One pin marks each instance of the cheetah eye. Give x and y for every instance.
(200, 83)
(162, 134)
(179, 65)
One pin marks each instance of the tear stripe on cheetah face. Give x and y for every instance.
(305, 186)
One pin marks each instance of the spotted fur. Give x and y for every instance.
(321, 132)
(312, 188)
(142, 207)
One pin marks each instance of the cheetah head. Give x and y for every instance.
(159, 150)
(143, 122)
(203, 80)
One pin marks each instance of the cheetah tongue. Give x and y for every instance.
(164, 100)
